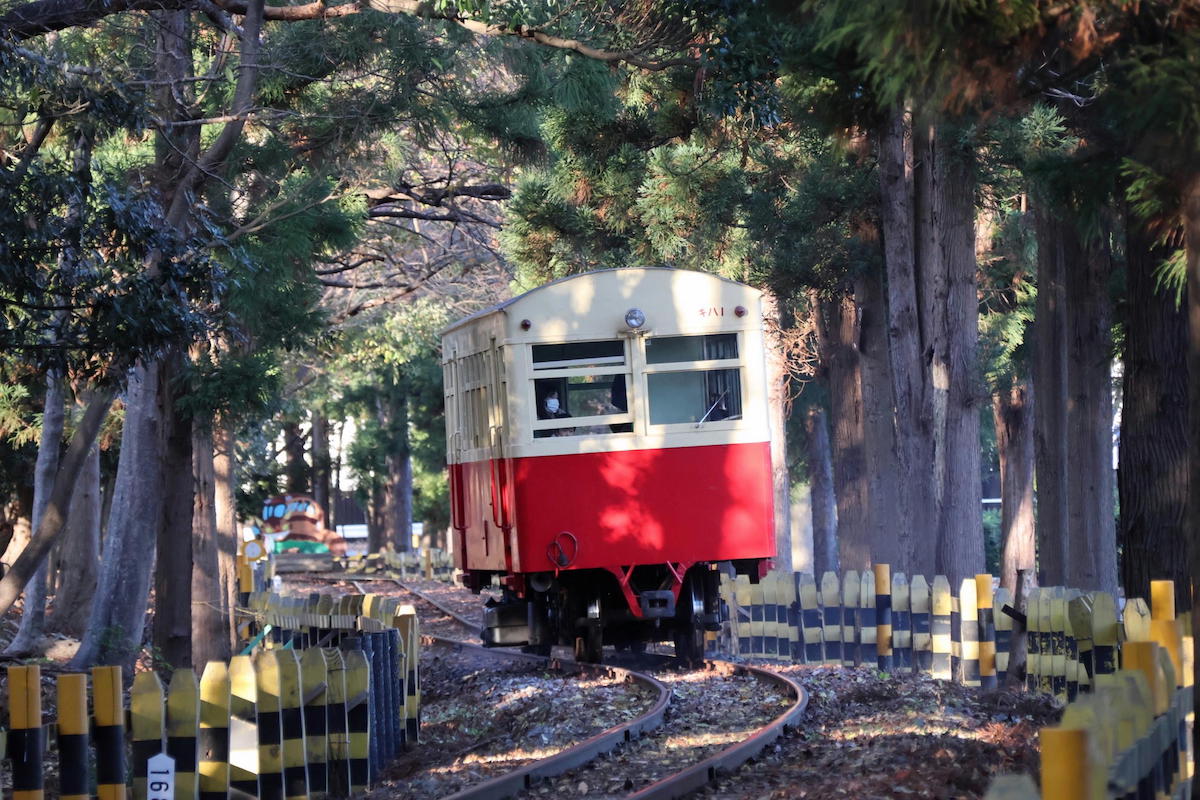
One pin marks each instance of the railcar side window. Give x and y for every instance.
(689, 392)
(582, 389)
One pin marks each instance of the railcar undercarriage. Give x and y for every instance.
(621, 606)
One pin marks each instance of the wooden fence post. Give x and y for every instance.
(968, 633)
(72, 737)
(902, 638)
(1004, 629)
(146, 727)
(214, 731)
(315, 687)
(831, 601)
(850, 592)
(883, 617)
(868, 629)
(987, 631)
(183, 727)
(922, 622)
(941, 634)
(810, 618)
(244, 765)
(109, 714)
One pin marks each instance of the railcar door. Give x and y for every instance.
(500, 468)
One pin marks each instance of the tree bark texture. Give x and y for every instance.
(174, 574)
(79, 564)
(1091, 489)
(210, 608)
(225, 514)
(297, 476)
(891, 541)
(321, 465)
(955, 371)
(838, 342)
(33, 615)
(1012, 411)
(1152, 478)
(1191, 221)
(777, 405)
(824, 501)
(1055, 249)
(118, 618)
(910, 392)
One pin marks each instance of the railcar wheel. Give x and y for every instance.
(689, 626)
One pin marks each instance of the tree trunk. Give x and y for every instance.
(1191, 221)
(824, 501)
(209, 606)
(398, 505)
(80, 548)
(1012, 410)
(33, 615)
(1153, 480)
(838, 343)
(225, 514)
(955, 372)
(910, 392)
(1050, 368)
(377, 518)
(118, 618)
(1090, 490)
(173, 575)
(298, 478)
(321, 466)
(890, 543)
(777, 405)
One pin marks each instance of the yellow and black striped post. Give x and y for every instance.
(1004, 628)
(358, 717)
(1164, 628)
(109, 715)
(295, 768)
(1105, 633)
(1079, 615)
(1058, 642)
(410, 631)
(314, 678)
(770, 612)
(26, 749)
(851, 589)
(183, 728)
(339, 730)
(1033, 640)
(213, 742)
(987, 631)
(810, 618)
(146, 727)
(868, 632)
(940, 628)
(883, 617)
(968, 632)
(757, 619)
(270, 724)
(1066, 764)
(741, 620)
(72, 737)
(919, 600)
(243, 726)
(902, 650)
(831, 601)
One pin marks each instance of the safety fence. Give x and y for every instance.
(326, 693)
(1127, 735)
(876, 618)
(428, 562)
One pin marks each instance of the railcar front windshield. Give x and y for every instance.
(581, 388)
(588, 388)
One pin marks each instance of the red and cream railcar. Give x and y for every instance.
(608, 446)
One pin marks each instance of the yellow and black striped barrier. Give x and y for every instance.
(213, 735)
(73, 737)
(109, 732)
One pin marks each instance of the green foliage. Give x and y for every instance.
(991, 540)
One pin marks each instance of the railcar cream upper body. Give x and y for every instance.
(690, 375)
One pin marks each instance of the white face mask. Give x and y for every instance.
(552, 404)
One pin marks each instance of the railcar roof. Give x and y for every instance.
(506, 303)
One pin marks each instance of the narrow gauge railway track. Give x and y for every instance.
(677, 782)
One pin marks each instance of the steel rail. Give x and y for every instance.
(685, 781)
(512, 783)
(707, 771)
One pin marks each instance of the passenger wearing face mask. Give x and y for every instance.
(550, 408)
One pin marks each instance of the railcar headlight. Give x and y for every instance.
(635, 318)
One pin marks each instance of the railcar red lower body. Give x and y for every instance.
(595, 510)
(614, 545)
